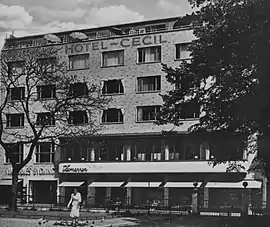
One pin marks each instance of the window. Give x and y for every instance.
(17, 93)
(147, 113)
(182, 51)
(113, 87)
(190, 111)
(113, 58)
(149, 54)
(78, 117)
(79, 61)
(46, 91)
(15, 68)
(16, 151)
(15, 120)
(47, 64)
(186, 83)
(45, 119)
(150, 83)
(112, 116)
(78, 90)
(45, 152)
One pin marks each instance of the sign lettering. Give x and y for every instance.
(33, 171)
(68, 169)
(124, 42)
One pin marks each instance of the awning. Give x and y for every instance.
(106, 184)
(180, 185)
(143, 184)
(251, 184)
(7, 182)
(71, 184)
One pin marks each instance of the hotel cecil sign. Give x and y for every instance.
(33, 171)
(123, 43)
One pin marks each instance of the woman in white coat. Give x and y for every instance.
(75, 201)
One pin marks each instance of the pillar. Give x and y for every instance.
(264, 192)
(166, 196)
(129, 194)
(167, 152)
(245, 201)
(108, 193)
(92, 155)
(128, 152)
(61, 191)
(91, 195)
(205, 197)
(27, 191)
(195, 201)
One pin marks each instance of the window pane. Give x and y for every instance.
(78, 117)
(112, 115)
(79, 61)
(149, 54)
(151, 83)
(45, 92)
(113, 58)
(182, 51)
(113, 87)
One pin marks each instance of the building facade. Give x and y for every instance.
(131, 160)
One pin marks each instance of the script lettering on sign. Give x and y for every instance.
(124, 42)
(68, 169)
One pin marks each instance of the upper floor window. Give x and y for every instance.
(15, 67)
(149, 54)
(45, 119)
(16, 152)
(46, 64)
(45, 152)
(15, 120)
(186, 83)
(113, 58)
(112, 87)
(46, 91)
(147, 113)
(112, 116)
(78, 89)
(190, 111)
(79, 61)
(16, 93)
(182, 51)
(149, 83)
(78, 117)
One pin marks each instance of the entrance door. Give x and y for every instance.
(44, 192)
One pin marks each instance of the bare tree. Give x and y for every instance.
(24, 73)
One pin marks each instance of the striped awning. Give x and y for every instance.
(106, 184)
(7, 182)
(71, 184)
(143, 184)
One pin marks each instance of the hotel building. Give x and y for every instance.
(131, 160)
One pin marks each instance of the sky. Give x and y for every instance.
(29, 17)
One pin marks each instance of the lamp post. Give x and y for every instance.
(244, 205)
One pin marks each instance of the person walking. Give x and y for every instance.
(75, 201)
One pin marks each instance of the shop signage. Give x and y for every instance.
(69, 169)
(124, 42)
(33, 171)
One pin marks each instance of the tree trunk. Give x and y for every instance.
(13, 203)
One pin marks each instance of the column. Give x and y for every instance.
(92, 154)
(57, 193)
(91, 195)
(264, 192)
(128, 152)
(166, 196)
(129, 194)
(205, 197)
(167, 152)
(27, 191)
(195, 201)
(245, 200)
(61, 191)
(108, 193)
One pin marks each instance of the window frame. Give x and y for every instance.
(178, 50)
(196, 115)
(20, 152)
(149, 47)
(49, 62)
(156, 83)
(85, 119)
(51, 121)
(120, 116)
(13, 63)
(113, 51)
(9, 120)
(73, 89)
(86, 61)
(156, 110)
(22, 94)
(51, 153)
(40, 90)
(120, 86)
